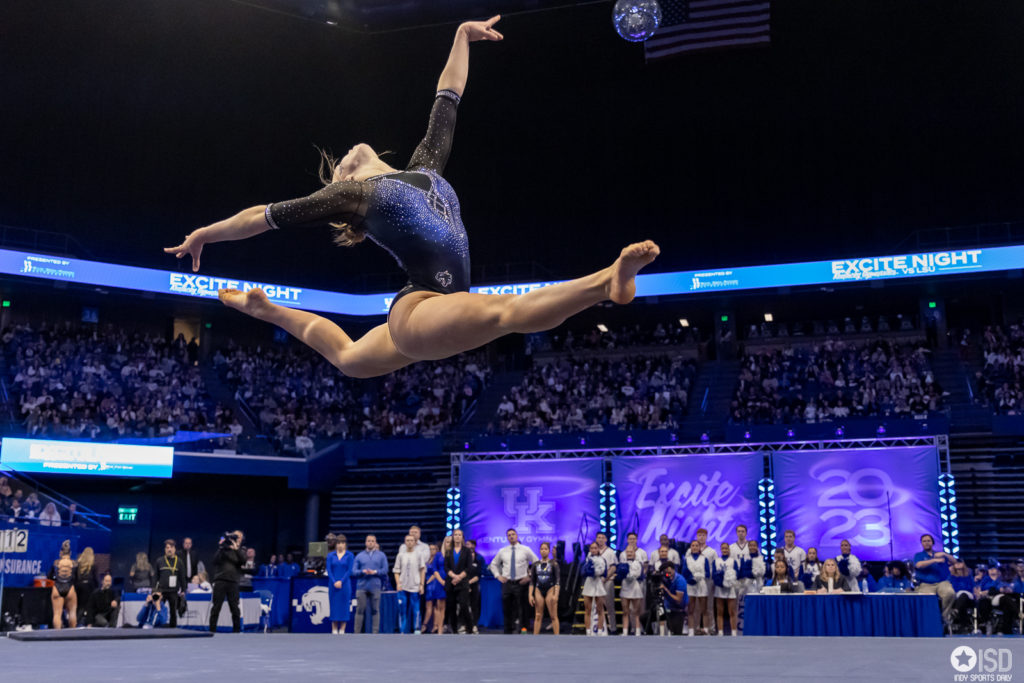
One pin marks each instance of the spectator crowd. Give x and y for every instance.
(833, 380)
(297, 397)
(594, 394)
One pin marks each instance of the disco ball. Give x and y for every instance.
(636, 20)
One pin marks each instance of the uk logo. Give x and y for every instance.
(531, 514)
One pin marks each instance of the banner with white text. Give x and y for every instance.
(676, 495)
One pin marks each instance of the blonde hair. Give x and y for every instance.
(345, 234)
(86, 560)
(142, 562)
(65, 548)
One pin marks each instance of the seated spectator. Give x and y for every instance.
(154, 613)
(830, 580)
(290, 567)
(895, 579)
(101, 609)
(32, 506)
(200, 583)
(995, 592)
(781, 577)
(269, 569)
(49, 516)
(962, 580)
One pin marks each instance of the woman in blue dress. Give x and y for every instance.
(435, 593)
(339, 569)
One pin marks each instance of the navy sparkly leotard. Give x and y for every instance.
(414, 214)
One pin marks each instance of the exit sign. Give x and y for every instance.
(126, 514)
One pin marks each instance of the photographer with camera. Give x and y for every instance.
(154, 612)
(227, 570)
(672, 589)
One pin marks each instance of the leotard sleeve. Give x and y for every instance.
(341, 202)
(433, 150)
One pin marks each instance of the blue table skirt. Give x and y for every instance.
(491, 615)
(850, 614)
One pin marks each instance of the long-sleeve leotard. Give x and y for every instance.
(413, 214)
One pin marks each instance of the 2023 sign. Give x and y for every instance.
(859, 502)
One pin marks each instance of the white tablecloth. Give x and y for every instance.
(198, 613)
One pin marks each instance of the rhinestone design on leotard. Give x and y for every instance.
(413, 214)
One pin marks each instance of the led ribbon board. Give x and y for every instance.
(86, 457)
(924, 264)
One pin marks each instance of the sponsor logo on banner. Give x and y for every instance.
(44, 266)
(981, 664)
(316, 603)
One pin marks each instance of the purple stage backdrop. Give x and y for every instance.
(676, 495)
(543, 500)
(880, 499)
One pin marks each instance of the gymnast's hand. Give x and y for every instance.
(481, 30)
(193, 246)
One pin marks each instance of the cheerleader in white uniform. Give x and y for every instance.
(793, 554)
(757, 569)
(849, 565)
(695, 570)
(709, 553)
(632, 591)
(810, 569)
(725, 579)
(595, 569)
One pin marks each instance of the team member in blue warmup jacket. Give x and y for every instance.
(339, 570)
(370, 569)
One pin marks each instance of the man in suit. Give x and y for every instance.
(188, 558)
(458, 563)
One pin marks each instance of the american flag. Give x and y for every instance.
(696, 25)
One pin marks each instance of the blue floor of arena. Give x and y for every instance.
(282, 656)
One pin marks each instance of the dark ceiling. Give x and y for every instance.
(128, 123)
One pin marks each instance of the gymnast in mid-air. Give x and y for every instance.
(413, 214)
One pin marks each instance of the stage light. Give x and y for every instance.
(583, 442)
(673, 438)
(948, 514)
(466, 445)
(768, 317)
(881, 430)
(636, 20)
(790, 433)
(840, 431)
(746, 435)
(609, 513)
(629, 438)
(766, 516)
(704, 437)
(602, 327)
(453, 509)
(683, 322)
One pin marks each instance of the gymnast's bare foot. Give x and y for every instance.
(622, 286)
(254, 302)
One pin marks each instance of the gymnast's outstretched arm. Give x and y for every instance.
(457, 69)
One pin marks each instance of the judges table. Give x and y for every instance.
(197, 616)
(847, 614)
